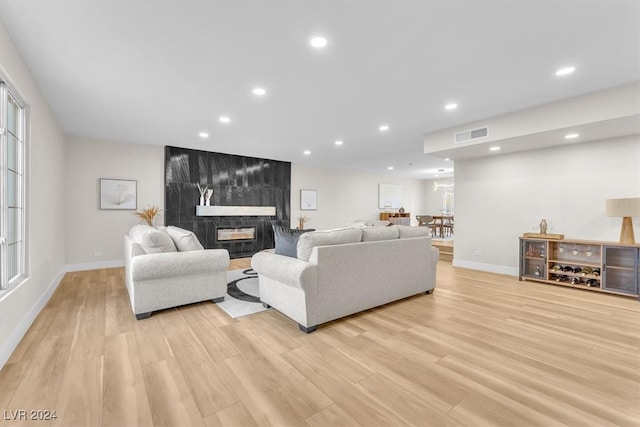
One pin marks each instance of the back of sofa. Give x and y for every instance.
(357, 276)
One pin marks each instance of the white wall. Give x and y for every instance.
(345, 196)
(45, 207)
(500, 197)
(92, 231)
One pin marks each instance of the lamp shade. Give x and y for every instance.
(623, 207)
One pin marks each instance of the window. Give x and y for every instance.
(12, 155)
(447, 202)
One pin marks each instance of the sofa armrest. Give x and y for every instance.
(178, 264)
(287, 270)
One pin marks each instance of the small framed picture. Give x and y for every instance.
(308, 200)
(118, 194)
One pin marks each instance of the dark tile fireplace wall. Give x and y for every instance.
(236, 181)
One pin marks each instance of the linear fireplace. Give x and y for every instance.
(234, 234)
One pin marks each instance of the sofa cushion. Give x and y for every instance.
(372, 234)
(184, 240)
(378, 223)
(407, 231)
(151, 240)
(286, 240)
(360, 223)
(308, 241)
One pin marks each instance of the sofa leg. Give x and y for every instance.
(217, 300)
(307, 330)
(143, 315)
(430, 291)
(265, 305)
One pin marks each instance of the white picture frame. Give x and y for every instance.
(118, 194)
(308, 200)
(389, 196)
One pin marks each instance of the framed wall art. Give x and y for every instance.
(389, 196)
(308, 200)
(118, 194)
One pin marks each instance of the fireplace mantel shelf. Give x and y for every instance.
(235, 211)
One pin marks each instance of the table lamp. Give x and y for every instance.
(625, 208)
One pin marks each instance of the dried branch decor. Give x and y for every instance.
(148, 214)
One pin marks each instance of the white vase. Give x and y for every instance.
(208, 202)
(201, 201)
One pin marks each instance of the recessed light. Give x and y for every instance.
(203, 135)
(447, 159)
(496, 148)
(451, 106)
(571, 136)
(224, 119)
(306, 152)
(565, 71)
(318, 42)
(383, 128)
(390, 168)
(259, 91)
(339, 142)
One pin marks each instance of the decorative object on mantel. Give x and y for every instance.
(148, 214)
(401, 210)
(302, 219)
(625, 208)
(543, 226)
(203, 192)
(208, 197)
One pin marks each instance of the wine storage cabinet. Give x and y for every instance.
(598, 266)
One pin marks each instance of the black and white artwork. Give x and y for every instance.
(118, 194)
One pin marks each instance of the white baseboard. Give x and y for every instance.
(490, 268)
(94, 265)
(10, 344)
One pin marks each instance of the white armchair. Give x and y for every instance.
(158, 276)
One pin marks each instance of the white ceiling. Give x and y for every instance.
(161, 72)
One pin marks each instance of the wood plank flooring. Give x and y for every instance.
(483, 350)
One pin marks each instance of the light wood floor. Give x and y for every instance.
(482, 350)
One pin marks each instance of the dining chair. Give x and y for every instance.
(426, 221)
(448, 227)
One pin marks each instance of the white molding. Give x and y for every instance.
(490, 268)
(235, 210)
(11, 342)
(94, 265)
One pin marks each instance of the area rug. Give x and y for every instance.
(243, 296)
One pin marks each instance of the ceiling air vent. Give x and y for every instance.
(468, 135)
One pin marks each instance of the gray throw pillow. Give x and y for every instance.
(286, 240)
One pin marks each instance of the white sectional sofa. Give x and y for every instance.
(168, 267)
(345, 271)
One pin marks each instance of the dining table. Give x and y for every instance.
(438, 221)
